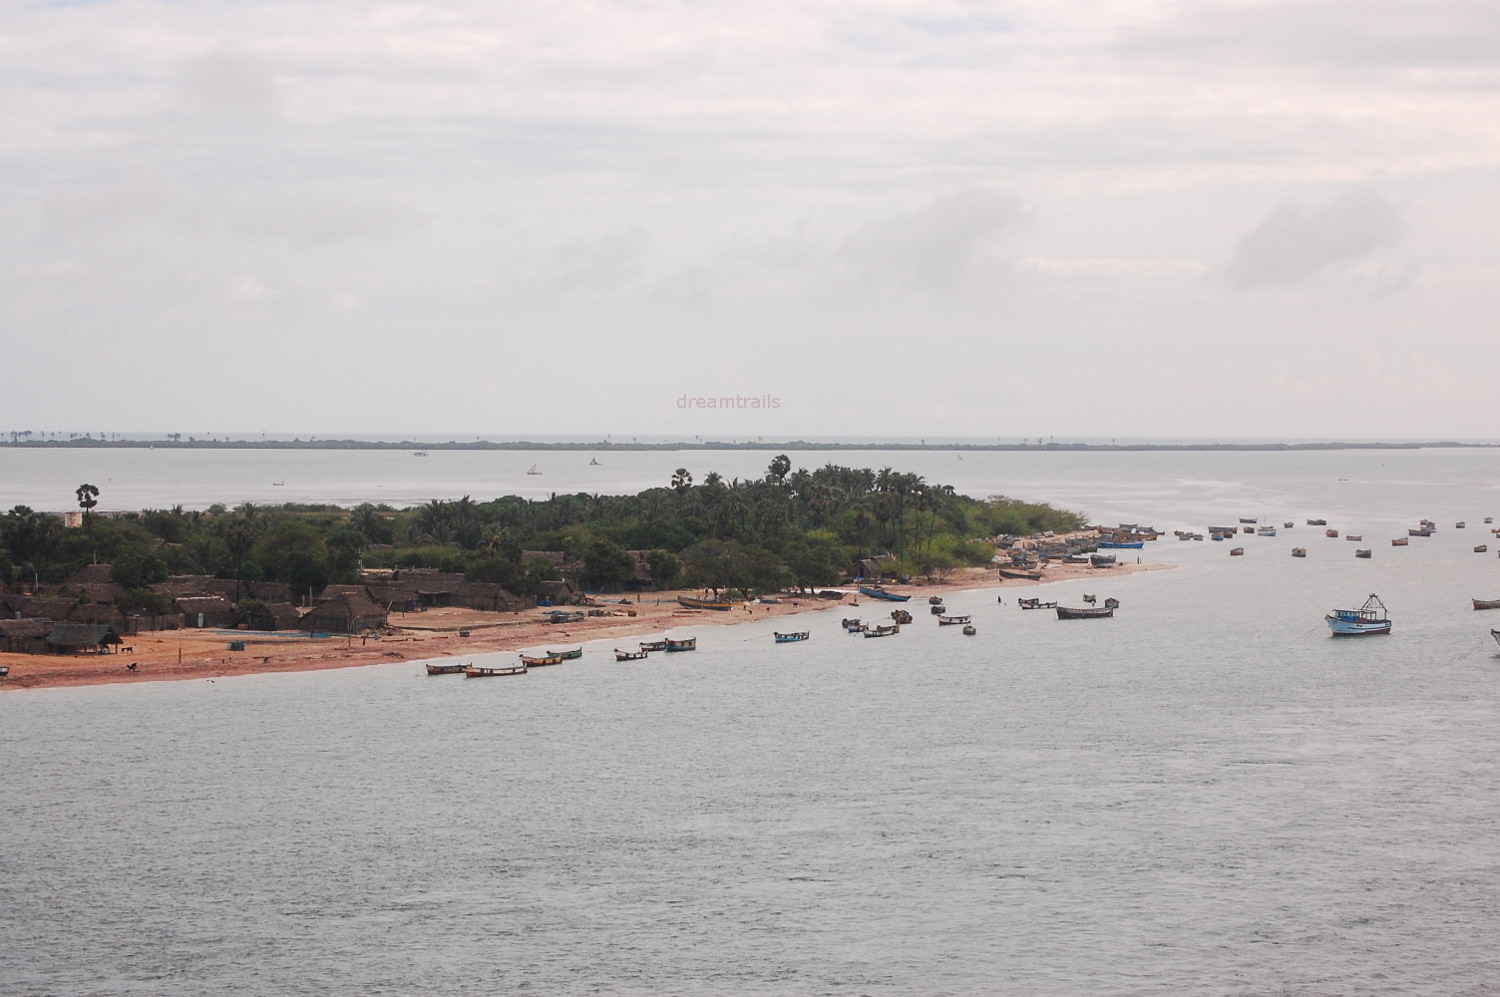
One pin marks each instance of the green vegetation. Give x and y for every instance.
(790, 528)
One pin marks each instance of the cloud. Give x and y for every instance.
(936, 247)
(1293, 245)
(228, 83)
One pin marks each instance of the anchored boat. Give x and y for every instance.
(1369, 619)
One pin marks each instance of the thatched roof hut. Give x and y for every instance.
(71, 638)
(206, 611)
(273, 616)
(345, 614)
(24, 636)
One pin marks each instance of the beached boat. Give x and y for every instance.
(882, 631)
(631, 655)
(951, 621)
(876, 592)
(686, 644)
(1237, 552)
(1018, 575)
(1367, 620)
(572, 655)
(1035, 604)
(1362, 552)
(1487, 603)
(564, 616)
(539, 660)
(792, 638)
(900, 616)
(1122, 544)
(688, 602)
(488, 672)
(1102, 560)
(1299, 551)
(453, 668)
(969, 631)
(1085, 613)
(653, 645)
(4, 671)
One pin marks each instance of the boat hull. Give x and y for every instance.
(1069, 613)
(874, 593)
(1348, 628)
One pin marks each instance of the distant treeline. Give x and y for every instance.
(787, 528)
(29, 440)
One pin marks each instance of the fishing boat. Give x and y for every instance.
(1317, 522)
(852, 625)
(1459, 525)
(883, 631)
(1331, 533)
(1398, 542)
(1487, 603)
(1367, 620)
(1362, 552)
(1248, 519)
(593, 462)
(454, 668)
(653, 645)
(1102, 560)
(540, 660)
(1356, 537)
(1237, 552)
(572, 655)
(792, 638)
(419, 453)
(1035, 604)
(1085, 613)
(969, 631)
(686, 644)
(1288, 525)
(1481, 548)
(487, 671)
(1015, 573)
(688, 602)
(877, 592)
(1122, 544)
(951, 621)
(1299, 551)
(1425, 531)
(564, 616)
(1111, 603)
(934, 599)
(631, 655)
(900, 616)
(938, 610)
(532, 470)
(1266, 531)
(1489, 519)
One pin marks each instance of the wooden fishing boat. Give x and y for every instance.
(1398, 541)
(1035, 604)
(1367, 620)
(951, 621)
(900, 616)
(883, 631)
(540, 660)
(572, 655)
(631, 655)
(934, 599)
(938, 610)
(1111, 603)
(1356, 537)
(1459, 525)
(1317, 522)
(1299, 551)
(1248, 519)
(564, 616)
(1237, 552)
(1425, 531)
(1481, 548)
(1331, 533)
(1102, 560)
(1487, 603)
(852, 625)
(1085, 613)
(1362, 552)
(487, 672)
(877, 592)
(451, 668)
(688, 602)
(792, 638)
(653, 645)
(1122, 544)
(686, 644)
(1266, 531)
(1017, 573)
(969, 631)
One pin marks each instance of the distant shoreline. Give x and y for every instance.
(790, 446)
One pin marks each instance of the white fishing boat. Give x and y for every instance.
(1368, 619)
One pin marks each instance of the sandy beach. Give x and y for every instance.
(168, 655)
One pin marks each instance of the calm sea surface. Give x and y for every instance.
(1203, 795)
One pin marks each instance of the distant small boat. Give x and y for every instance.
(572, 655)
(446, 669)
(1425, 531)
(1356, 537)
(935, 600)
(900, 616)
(540, 660)
(593, 462)
(631, 655)
(1102, 560)
(1487, 603)
(419, 453)
(1299, 551)
(1266, 531)
(1237, 552)
(938, 610)
(1398, 541)
(1122, 544)
(1088, 613)
(1481, 549)
(969, 631)
(686, 644)
(792, 638)
(852, 625)
(653, 645)
(1362, 552)
(1369, 619)
(1017, 575)
(688, 602)
(949, 621)
(1331, 533)
(1458, 525)
(277, 484)
(532, 470)
(1111, 603)
(1249, 519)
(1489, 519)
(877, 592)
(1317, 522)
(1035, 604)
(485, 672)
(883, 631)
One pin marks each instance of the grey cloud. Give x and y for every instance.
(1292, 244)
(228, 83)
(936, 247)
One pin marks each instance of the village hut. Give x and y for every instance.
(100, 613)
(433, 588)
(561, 592)
(491, 597)
(205, 611)
(24, 636)
(73, 638)
(400, 596)
(346, 614)
(272, 616)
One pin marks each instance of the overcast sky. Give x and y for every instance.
(898, 217)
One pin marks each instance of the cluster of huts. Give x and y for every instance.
(82, 614)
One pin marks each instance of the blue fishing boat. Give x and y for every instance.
(686, 644)
(1123, 544)
(876, 592)
(1368, 619)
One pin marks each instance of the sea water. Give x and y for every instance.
(1206, 794)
